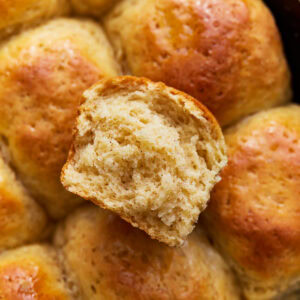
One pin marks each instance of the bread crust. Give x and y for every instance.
(233, 63)
(32, 272)
(253, 214)
(22, 220)
(94, 8)
(42, 76)
(18, 15)
(132, 266)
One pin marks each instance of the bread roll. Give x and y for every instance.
(21, 219)
(147, 152)
(111, 260)
(43, 73)
(92, 7)
(226, 53)
(32, 272)
(253, 214)
(20, 14)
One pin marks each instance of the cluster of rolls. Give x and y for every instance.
(225, 53)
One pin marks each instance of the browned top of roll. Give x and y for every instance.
(226, 53)
(109, 259)
(43, 73)
(254, 211)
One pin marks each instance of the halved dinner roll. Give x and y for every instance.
(148, 152)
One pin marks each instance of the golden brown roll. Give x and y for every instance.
(253, 214)
(147, 152)
(20, 14)
(92, 7)
(21, 219)
(32, 272)
(43, 73)
(226, 53)
(110, 260)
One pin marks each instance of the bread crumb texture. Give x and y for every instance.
(147, 152)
